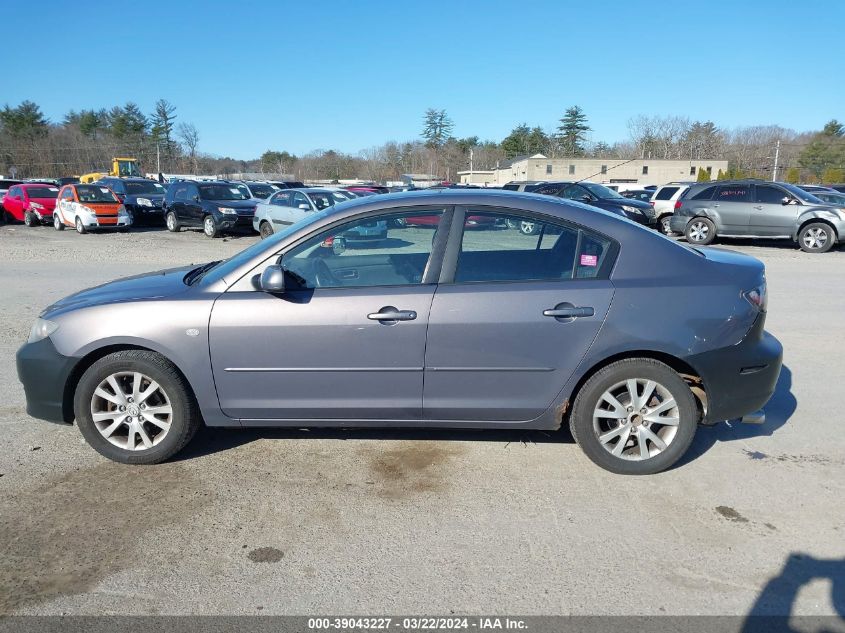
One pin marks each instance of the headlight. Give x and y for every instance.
(629, 210)
(145, 202)
(227, 210)
(41, 330)
(35, 205)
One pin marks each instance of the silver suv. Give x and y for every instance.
(758, 209)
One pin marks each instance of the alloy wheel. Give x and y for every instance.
(698, 232)
(636, 419)
(209, 227)
(665, 227)
(814, 238)
(171, 222)
(131, 411)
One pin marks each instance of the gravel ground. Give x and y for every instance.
(309, 522)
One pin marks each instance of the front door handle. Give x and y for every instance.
(568, 311)
(389, 314)
(759, 208)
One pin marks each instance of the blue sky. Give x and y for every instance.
(300, 76)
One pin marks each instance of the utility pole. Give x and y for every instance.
(158, 158)
(777, 155)
(470, 166)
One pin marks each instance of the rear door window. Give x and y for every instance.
(505, 246)
(733, 193)
(704, 194)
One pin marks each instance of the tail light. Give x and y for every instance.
(678, 204)
(651, 202)
(758, 297)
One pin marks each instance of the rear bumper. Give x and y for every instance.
(678, 223)
(740, 379)
(44, 373)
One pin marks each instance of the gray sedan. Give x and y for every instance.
(436, 326)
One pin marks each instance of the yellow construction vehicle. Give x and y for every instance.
(121, 168)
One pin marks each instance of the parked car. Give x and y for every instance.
(839, 188)
(761, 209)
(6, 184)
(367, 189)
(522, 185)
(637, 194)
(260, 190)
(665, 199)
(815, 188)
(215, 206)
(835, 198)
(68, 180)
(288, 206)
(142, 198)
(88, 207)
(31, 203)
(600, 196)
(288, 184)
(401, 337)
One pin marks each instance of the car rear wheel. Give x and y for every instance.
(57, 223)
(529, 228)
(265, 230)
(700, 231)
(816, 238)
(209, 227)
(634, 417)
(80, 227)
(172, 222)
(135, 408)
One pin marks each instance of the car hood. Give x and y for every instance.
(164, 283)
(639, 204)
(156, 198)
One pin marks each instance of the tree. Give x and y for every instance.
(190, 139)
(825, 150)
(572, 131)
(24, 122)
(127, 122)
(793, 175)
(162, 123)
(525, 140)
(833, 175)
(703, 175)
(721, 175)
(277, 162)
(437, 127)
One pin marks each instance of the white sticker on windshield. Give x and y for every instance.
(104, 189)
(53, 188)
(234, 190)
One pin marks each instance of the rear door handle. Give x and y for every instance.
(569, 313)
(391, 314)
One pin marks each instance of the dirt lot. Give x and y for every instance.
(311, 522)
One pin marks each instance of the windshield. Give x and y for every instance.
(94, 193)
(227, 266)
(262, 191)
(322, 199)
(833, 198)
(341, 196)
(600, 191)
(802, 195)
(223, 192)
(133, 187)
(42, 193)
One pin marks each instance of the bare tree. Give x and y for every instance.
(190, 137)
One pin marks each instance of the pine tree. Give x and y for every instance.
(437, 128)
(703, 175)
(793, 175)
(572, 131)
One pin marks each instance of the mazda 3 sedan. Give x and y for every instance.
(435, 326)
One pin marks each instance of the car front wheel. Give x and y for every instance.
(700, 231)
(135, 408)
(29, 219)
(816, 238)
(665, 225)
(634, 417)
(80, 227)
(209, 227)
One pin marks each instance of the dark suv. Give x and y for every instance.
(602, 197)
(215, 206)
(142, 198)
(758, 209)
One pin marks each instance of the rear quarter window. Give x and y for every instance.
(704, 194)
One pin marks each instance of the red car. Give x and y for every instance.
(31, 203)
(367, 190)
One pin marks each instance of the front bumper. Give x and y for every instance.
(740, 379)
(44, 373)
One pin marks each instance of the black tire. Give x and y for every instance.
(265, 230)
(172, 222)
(700, 231)
(816, 237)
(80, 227)
(663, 225)
(30, 220)
(185, 420)
(57, 223)
(209, 227)
(590, 395)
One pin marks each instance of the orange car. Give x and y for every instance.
(89, 206)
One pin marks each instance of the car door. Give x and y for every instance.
(193, 205)
(65, 206)
(769, 215)
(514, 317)
(177, 202)
(280, 211)
(733, 206)
(345, 342)
(14, 202)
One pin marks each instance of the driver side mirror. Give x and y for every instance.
(304, 207)
(273, 279)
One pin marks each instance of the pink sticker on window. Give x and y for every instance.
(589, 260)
